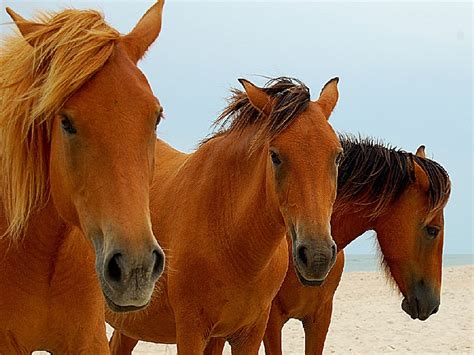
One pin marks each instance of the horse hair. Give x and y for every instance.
(376, 175)
(35, 82)
(290, 98)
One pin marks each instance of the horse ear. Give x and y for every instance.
(421, 178)
(258, 98)
(27, 28)
(145, 32)
(420, 152)
(328, 97)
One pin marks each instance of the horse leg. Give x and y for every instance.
(189, 339)
(248, 342)
(13, 349)
(96, 346)
(101, 348)
(93, 340)
(120, 344)
(316, 328)
(272, 338)
(14, 352)
(215, 346)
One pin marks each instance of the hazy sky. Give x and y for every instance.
(405, 69)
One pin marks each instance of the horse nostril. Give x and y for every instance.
(435, 310)
(302, 255)
(417, 307)
(159, 261)
(333, 251)
(114, 271)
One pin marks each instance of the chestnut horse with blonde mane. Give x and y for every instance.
(401, 197)
(222, 214)
(77, 158)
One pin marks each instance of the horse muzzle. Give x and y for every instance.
(422, 303)
(313, 259)
(128, 279)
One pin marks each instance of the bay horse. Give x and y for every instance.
(222, 213)
(77, 137)
(401, 196)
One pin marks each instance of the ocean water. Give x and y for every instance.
(371, 263)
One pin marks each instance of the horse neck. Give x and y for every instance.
(37, 250)
(250, 223)
(349, 221)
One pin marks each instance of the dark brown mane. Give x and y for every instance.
(291, 97)
(375, 175)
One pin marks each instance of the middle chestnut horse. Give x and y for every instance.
(222, 214)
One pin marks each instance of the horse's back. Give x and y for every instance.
(167, 161)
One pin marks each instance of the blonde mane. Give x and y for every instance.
(34, 84)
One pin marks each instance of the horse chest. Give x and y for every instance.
(40, 296)
(249, 300)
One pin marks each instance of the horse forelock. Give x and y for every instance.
(35, 82)
(290, 98)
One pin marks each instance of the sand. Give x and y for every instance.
(368, 319)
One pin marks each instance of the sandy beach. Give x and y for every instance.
(368, 319)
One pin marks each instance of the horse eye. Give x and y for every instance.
(432, 232)
(159, 117)
(67, 125)
(275, 158)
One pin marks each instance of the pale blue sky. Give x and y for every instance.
(405, 69)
